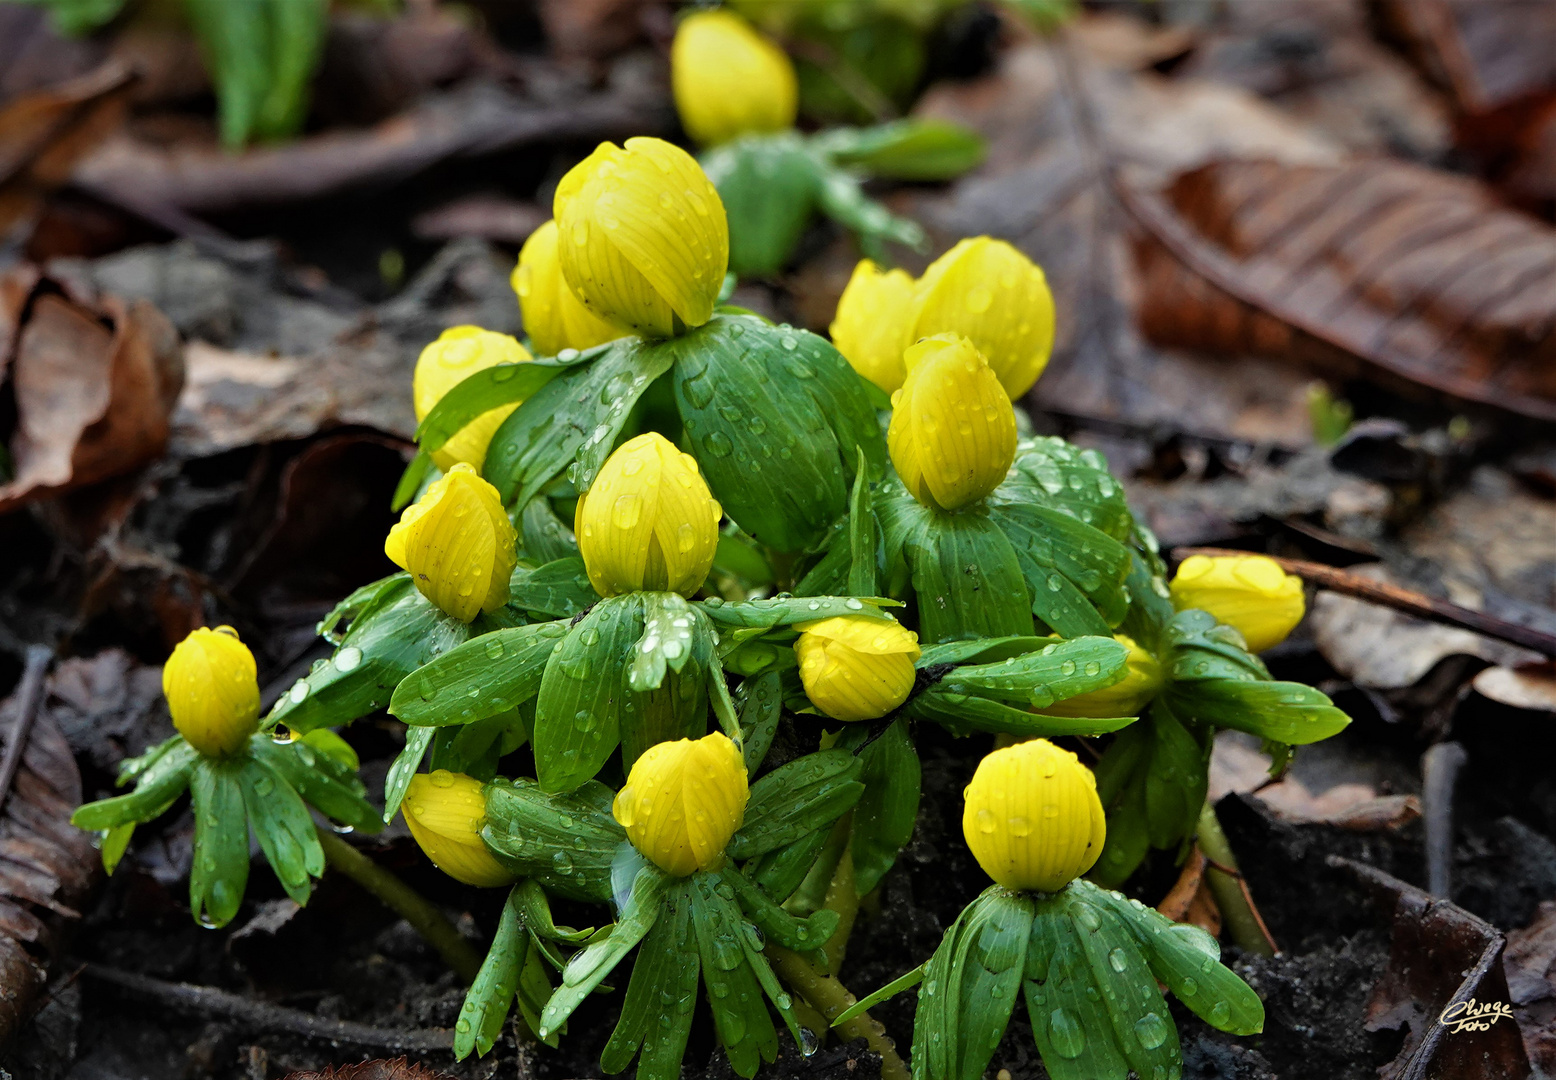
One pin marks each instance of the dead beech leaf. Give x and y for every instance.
(397, 1069)
(1531, 981)
(1418, 275)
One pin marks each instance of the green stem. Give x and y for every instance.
(812, 893)
(405, 902)
(1242, 921)
(829, 997)
(842, 898)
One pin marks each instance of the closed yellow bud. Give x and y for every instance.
(460, 352)
(953, 432)
(649, 522)
(729, 79)
(643, 237)
(1249, 593)
(445, 812)
(554, 318)
(855, 667)
(458, 544)
(1142, 679)
(998, 299)
(1032, 817)
(682, 802)
(871, 325)
(212, 690)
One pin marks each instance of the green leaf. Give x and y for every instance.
(888, 808)
(1075, 573)
(77, 18)
(807, 794)
(1150, 604)
(560, 589)
(285, 830)
(739, 557)
(235, 41)
(491, 995)
(486, 676)
(1051, 472)
(411, 481)
(761, 706)
(769, 185)
(962, 714)
(491, 388)
(909, 149)
(842, 198)
(116, 841)
(739, 1015)
(890, 990)
(1279, 711)
(404, 766)
(543, 536)
(573, 418)
(161, 780)
(788, 610)
(775, 416)
(324, 782)
(677, 708)
(1195, 647)
(219, 867)
(361, 603)
(981, 650)
(297, 29)
(668, 634)
(801, 935)
(862, 538)
(1176, 776)
(332, 746)
(1070, 1022)
(1128, 825)
(781, 871)
(584, 694)
(656, 1013)
(565, 842)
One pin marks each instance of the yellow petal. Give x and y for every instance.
(728, 79)
(212, 691)
(856, 668)
(1032, 817)
(1250, 593)
(445, 812)
(683, 801)
(554, 318)
(458, 545)
(458, 353)
(871, 326)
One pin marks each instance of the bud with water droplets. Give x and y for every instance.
(458, 353)
(212, 691)
(855, 667)
(644, 242)
(648, 522)
(458, 544)
(554, 318)
(683, 801)
(445, 812)
(730, 80)
(1142, 679)
(953, 431)
(871, 325)
(1032, 817)
(1249, 593)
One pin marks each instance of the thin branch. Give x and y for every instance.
(1411, 603)
(29, 701)
(1440, 767)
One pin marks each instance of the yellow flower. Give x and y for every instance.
(554, 318)
(460, 352)
(649, 522)
(1250, 593)
(1142, 679)
(871, 325)
(644, 240)
(998, 299)
(683, 801)
(855, 667)
(458, 544)
(445, 812)
(1032, 818)
(729, 80)
(212, 690)
(953, 432)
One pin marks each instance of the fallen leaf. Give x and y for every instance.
(490, 217)
(1531, 981)
(398, 1069)
(590, 28)
(1319, 797)
(1532, 687)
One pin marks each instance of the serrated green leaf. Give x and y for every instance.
(740, 1017)
(788, 610)
(560, 589)
(404, 766)
(284, 828)
(887, 810)
(584, 694)
(483, 677)
(589, 967)
(163, 778)
(565, 842)
(768, 184)
(324, 782)
(219, 866)
(490, 997)
(656, 1014)
(544, 537)
(805, 795)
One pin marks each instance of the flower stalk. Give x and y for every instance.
(829, 997)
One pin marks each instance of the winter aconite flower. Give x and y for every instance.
(871, 325)
(554, 318)
(649, 522)
(1032, 817)
(643, 239)
(1142, 680)
(458, 544)
(458, 353)
(1250, 593)
(212, 691)
(683, 801)
(855, 667)
(953, 433)
(445, 812)
(729, 80)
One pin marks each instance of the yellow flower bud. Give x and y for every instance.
(682, 802)
(871, 325)
(1032, 817)
(554, 318)
(458, 544)
(1249, 593)
(445, 812)
(998, 299)
(649, 522)
(953, 432)
(643, 237)
(729, 79)
(212, 690)
(1142, 679)
(855, 667)
(460, 352)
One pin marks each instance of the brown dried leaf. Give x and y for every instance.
(1531, 981)
(1416, 274)
(398, 1069)
(1488, 55)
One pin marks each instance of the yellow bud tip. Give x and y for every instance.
(458, 545)
(648, 522)
(953, 432)
(1249, 593)
(458, 353)
(1032, 817)
(554, 318)
(683, 801)
(855, 667)
(872, 323)
(445, 812)
(729, 80)
(212, 691)
(1138, 683)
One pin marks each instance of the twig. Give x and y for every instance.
(829, 997)
(1226, 882)
(1175, 905)
(1440, 767)
(1411, 603)
(29, 700)
(261, 1016)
